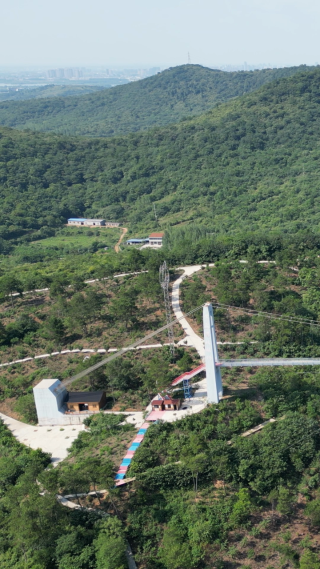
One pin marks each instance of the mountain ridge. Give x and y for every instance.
(252, 164)
(163, 99)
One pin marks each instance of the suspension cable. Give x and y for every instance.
(306, 321)
(85, 372)
(120, 352)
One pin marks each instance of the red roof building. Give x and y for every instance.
(165, 403)
(155, 239)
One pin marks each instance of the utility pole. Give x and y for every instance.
(155, 212)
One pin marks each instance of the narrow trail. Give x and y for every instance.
(86, 282)
(117, 246)
(191, 339)
(84, 351)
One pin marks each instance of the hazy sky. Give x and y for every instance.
(145, 32)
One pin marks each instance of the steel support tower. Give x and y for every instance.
(187, 389)
(164, 279)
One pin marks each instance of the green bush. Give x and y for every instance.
(313, 512)
(26, 407)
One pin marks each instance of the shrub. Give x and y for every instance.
(313, 512)
(25, 406)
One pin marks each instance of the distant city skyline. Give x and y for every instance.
(136, 67)
(75, 33)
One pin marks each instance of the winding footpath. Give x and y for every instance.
(191, 339)
(77, 351)
(90, 281)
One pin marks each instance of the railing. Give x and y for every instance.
(87, 412)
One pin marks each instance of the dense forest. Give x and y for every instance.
(36, 531)
(248, 165)
(156, 101)
(47, 91)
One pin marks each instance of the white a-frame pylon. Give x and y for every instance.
(213, 364)
(213, 372)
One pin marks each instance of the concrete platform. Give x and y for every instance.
(55, 440)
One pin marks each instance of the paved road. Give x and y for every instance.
(192, 339)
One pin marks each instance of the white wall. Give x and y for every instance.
(49, 397)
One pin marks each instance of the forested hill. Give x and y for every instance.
(156, 101)
(250, 164)
(47, 91)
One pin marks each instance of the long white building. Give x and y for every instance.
(79, 221)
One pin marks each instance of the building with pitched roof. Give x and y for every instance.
(57, 406)
(79, 401)
(164, 402)
(155, 239)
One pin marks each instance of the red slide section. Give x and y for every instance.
(189, 374)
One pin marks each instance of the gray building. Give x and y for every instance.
(49, 397)
(56, 406)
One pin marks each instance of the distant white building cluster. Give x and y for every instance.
(133, 74)
(83, 73)
(65, 73)
(82, 221)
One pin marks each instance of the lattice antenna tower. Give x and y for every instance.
(155, 212)
(189, 58)
(164, 279)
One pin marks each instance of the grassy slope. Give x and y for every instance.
(250, 164)
(68, 239)
(159, 100)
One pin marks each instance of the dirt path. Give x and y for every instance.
(117, 246)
